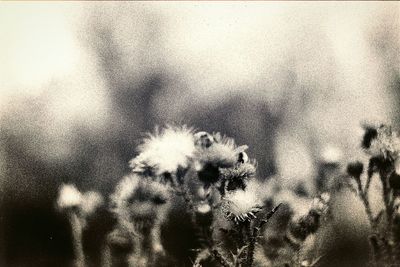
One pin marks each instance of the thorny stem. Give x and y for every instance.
(249, 240)
(215, 253)
(253, 239)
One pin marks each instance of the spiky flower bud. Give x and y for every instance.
(237, 177)
(241, 206)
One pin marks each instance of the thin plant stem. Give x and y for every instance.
(363, 194)
(77, 228)
(386, 191)
(254, 236)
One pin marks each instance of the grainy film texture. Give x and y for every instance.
(199, 134)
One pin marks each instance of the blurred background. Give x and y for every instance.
(81, 84)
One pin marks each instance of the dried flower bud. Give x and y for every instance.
(355, 169)
(306, 225)
(385, 144)
(369, 135)
(238, 176)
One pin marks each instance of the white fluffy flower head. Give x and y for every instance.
(387, 143)
(241, 206)
(165, 151)
(69, 196)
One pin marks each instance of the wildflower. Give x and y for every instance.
(237, 176)
(355, 169)
(69, 197)
(384, 143)
(241, 206)
(139, 205)
(77, 207)
(137, 196)
(309, 223)
(222, 153)
(370, 134)
(165, 152)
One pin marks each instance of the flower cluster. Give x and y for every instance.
(382, 144)
(139, 204)
(208, 184)
(209, 171)
(78, 207)
(308, 224)
(71, 200)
